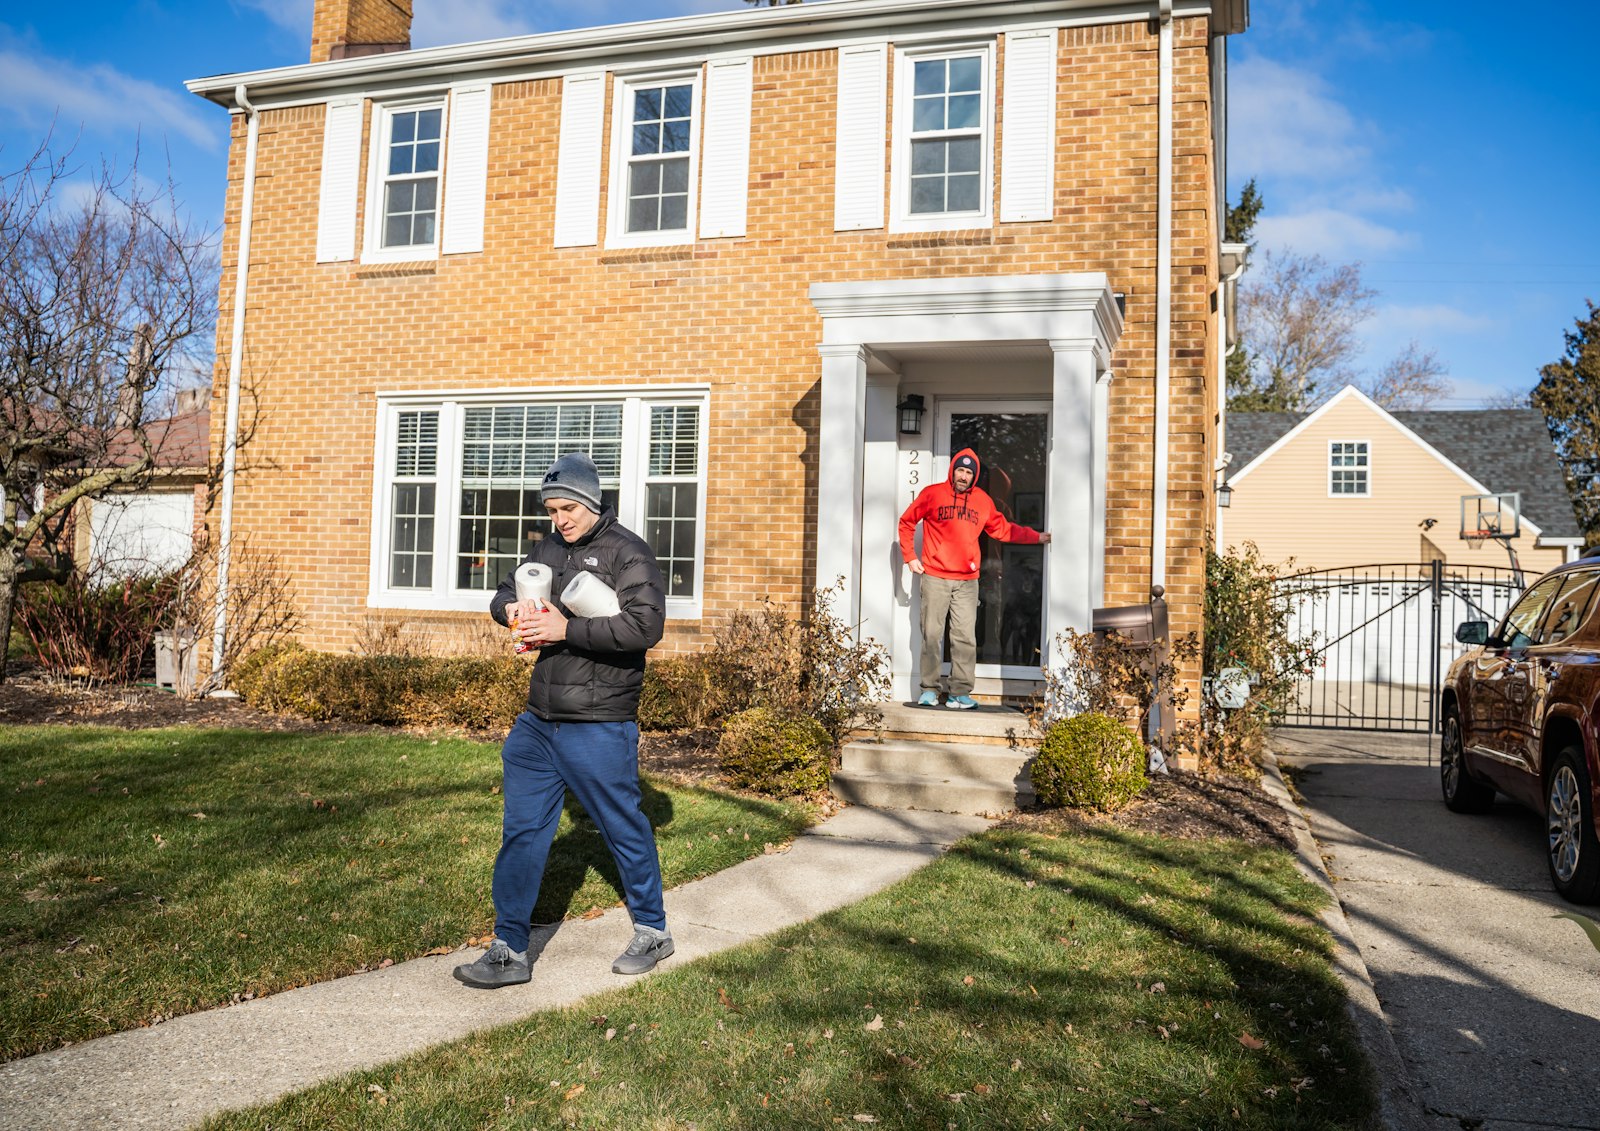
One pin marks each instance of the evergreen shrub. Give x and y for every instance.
(1089, 761)
(775, 752)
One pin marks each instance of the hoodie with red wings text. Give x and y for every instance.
(951, 522)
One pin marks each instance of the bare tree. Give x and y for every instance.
(1300, 315)
(107, 293)
(1415, 379)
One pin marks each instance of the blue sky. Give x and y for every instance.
(1450, 148)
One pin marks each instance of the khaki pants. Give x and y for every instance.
(956, 601)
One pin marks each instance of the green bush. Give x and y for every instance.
(678, 694)
(775, 753)
(473, 692)
(1089, 761)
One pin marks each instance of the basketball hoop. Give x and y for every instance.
(1476, 538)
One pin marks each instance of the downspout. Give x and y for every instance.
(230, 442)
(1158, 517)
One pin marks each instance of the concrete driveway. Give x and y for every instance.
(1493, 1002)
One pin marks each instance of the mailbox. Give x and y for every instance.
(1145, 624)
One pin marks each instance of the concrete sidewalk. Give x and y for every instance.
(176, 1074)
(1493, 1003)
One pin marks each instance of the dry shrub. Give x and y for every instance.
(92, 629)
(678, 694)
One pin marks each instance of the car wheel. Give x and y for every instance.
(1462, 792)
(1569, 816)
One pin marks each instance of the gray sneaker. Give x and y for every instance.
(499, 966)
(648, 947)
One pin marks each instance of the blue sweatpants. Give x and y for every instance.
(599, 762)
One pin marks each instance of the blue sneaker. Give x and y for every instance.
(929, 699)
(961, 702)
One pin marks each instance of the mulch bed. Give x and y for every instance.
(1178, 804)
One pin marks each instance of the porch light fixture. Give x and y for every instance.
(911, 411)
(1224, 494)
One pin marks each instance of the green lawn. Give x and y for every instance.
(151, 873)
(1095, 979)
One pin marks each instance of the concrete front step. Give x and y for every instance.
(989, 725)
(919, 791)
(977, 761)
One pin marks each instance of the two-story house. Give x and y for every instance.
(770, 268)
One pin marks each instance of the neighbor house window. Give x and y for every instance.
(408, 159)
(463, 481)
(654, 161)
(944, 139)
(1348, 468)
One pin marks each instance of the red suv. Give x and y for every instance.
(1520, 717)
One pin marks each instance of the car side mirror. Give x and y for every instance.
(1473, 632)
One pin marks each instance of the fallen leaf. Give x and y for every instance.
(1250, 1042)
(198, 816)
(442, 950)
(876, 1023)
(574, 1092)
(982, 1089)
(967, 981)
(385, 964)
(827, 1034)
(1158, 987)
(610, 1034)
(863, 1117)
(593, 913)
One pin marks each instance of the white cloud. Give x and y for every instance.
(468, 21)
(100, 99)
(1283, 122)
(1420, 321)
(1330, 232)
(295, 15)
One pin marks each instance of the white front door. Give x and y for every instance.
(1012, 442)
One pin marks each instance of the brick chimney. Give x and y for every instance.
(344, 29)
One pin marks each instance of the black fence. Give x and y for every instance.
(1383, 637)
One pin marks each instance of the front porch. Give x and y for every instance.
(1018, 364)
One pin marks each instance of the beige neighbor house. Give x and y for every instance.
(1353, 484)
(770, 268)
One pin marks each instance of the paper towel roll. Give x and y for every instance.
(533, 582)
(587, 596)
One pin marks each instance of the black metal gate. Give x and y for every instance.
(1382, 637)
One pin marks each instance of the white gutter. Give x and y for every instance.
(230, 443)
(1158, 515)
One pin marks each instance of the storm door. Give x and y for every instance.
(1012, 442)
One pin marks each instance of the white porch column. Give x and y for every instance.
(840, 469)
(1102, 450)
(880, 552)
(1074, 471)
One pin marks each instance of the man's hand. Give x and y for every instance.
(916, 566)
(1044, 538)
(546, 626)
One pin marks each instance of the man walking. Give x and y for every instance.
(953, 514)
(580, 730)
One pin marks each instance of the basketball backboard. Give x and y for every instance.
(1496, 515)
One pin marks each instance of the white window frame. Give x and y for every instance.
(1366, 446)
(372, 249)
(901, 218)
(443, 596)
(623, 90)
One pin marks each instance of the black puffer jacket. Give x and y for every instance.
(594, 675)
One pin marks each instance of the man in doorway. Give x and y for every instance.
(953, 514)
(580, 730)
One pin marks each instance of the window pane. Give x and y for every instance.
(422, 233)
(966, 73)
(680, 101)
(928, 115)
(930, 77)
(965, 112)
(676, 138)
(400, 160)
(401, 196)
(576, 421)
(647, 105)
(427, 159)
(927, 157)
(428, 124)
(427, 195)
(927, 195)
(647, 139)
(963, 194)
(405, 128)
(477, 423)
(644, 179)
(674, 213)
(644, 214)
(965, 155)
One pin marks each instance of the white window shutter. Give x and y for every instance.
(725, 176)
(466, 178)
(862, 134)
(1028, 152)
(341, 172)
(578, 162)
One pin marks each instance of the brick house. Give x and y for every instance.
(726, 255)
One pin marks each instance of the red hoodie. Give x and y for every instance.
(951, 523)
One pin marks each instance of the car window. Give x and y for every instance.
(1523, 620)
(1570, 607)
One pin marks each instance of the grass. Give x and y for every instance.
(1095, 979)
(152, 873)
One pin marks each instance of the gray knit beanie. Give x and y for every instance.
(573, 476)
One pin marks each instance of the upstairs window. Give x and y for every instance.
(944, 140)
(1348, 468)
(654, 162)
(403, 209)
